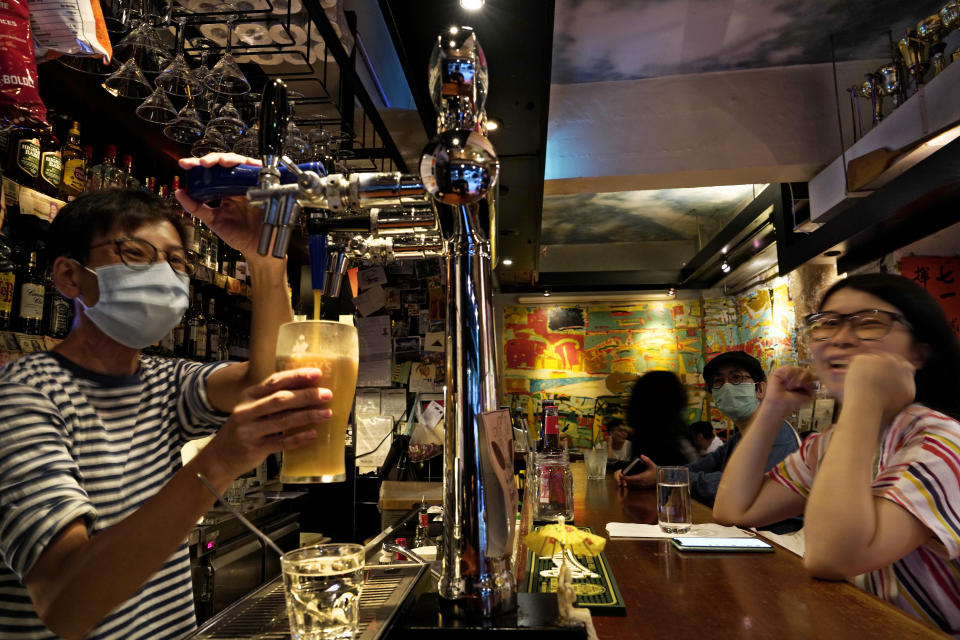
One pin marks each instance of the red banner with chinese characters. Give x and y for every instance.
(941, 278)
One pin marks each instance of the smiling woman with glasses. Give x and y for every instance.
(880, 507)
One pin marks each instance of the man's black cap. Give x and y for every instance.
(734, 359)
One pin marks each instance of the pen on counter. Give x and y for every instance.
(630, 466)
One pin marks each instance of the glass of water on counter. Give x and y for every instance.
(322, 584)
(673, 499)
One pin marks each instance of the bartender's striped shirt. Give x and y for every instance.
(79, 444)
(918, 468)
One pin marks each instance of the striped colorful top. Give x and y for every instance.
(918, 468)
(79, 444)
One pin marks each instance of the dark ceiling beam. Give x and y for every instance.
(923, 200)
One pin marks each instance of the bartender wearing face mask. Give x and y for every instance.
(736, 381)
(95, 507)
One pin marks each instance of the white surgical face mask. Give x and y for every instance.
(738, 401)
(137, 307)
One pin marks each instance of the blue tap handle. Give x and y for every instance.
(318, 260)
(211, 183)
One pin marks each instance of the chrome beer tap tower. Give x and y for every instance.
(383, 217)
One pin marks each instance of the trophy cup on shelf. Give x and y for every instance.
(930, 31)
(869, 89)
(916, 55)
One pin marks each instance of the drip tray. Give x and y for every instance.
(262, 615)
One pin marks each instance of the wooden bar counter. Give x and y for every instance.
(700, 596)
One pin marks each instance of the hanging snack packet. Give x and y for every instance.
(75, 28)
(20, 104)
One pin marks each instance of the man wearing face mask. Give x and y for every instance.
(737, 383)
(95, 507)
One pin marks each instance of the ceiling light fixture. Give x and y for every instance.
(507, 262)
(471, 5)
(546, 293)
(492, 125)
(725, 267)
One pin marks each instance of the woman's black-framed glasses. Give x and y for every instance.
(868, 324)
(139, 254)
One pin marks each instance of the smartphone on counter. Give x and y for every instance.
(727, 545)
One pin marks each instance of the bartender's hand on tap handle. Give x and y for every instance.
(237, 223)
(269, 418)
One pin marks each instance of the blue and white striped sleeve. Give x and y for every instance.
(40, 484)
(197, 416)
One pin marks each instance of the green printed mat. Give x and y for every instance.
(599, 594)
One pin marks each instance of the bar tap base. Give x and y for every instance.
(535, 617)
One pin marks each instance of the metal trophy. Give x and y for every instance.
(869, 89)
(916, 55)
(930, 31)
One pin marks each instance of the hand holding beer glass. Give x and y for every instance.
(331, 347)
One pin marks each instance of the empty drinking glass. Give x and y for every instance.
(157, 108)
(226, 77)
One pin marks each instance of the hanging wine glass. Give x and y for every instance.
(319, 140)
(186, 128)
(94, 65)
(157, 108)
(128, 82)
(177, 78)
(296, 145)
(200, 73)
(211, 142)
(228, 122)
(249, 143)
(144, 45)
(226, 77)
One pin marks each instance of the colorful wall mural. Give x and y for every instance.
(587, 356)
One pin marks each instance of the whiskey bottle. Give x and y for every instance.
(106, 174)
(213, 330)
(56, 309)
(8, 281)
(32, 294)
(74, 158)
(125, 178)
(51, 165)
(23, 164)
(196, 329)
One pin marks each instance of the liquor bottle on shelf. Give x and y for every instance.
(57, 309)
(126, 178)
(199, 246)
(8, 281)
(74, 158)
(213, 330)
(213, 249)
(107, 173)
(196, 329)
(551, 431)
(180, 338)
(32, 294)
(88, 174)
(23, 160)
(51, 165)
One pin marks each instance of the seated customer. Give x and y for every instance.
(655, 413)
(737, 383)
(704, 437)
(619, 448)
(880, 488)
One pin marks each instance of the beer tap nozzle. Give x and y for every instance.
(289, 210)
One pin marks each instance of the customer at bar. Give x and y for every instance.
(619, 447)
(95, 508)
(705, 438)
(879, 489)
(655, 413)
(737, 383)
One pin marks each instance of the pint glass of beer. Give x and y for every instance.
(331, 347)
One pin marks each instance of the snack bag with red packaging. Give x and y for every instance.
(20, 104)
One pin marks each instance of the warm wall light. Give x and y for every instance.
(597, 297)
(471, 5)
(506, 262)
